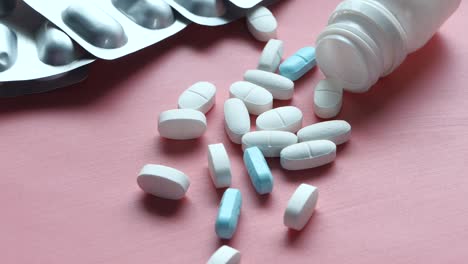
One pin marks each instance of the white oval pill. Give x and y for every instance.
(163, 182)
(271, 56)
(269, 142)
(236, 119)
(200, 97)
(308, 155)
(181, 124)
(286, 118)
(300, 207)
(219, 165)
(328, 99)
(280, 87)
(257, 99)
(261, 23)
(225, 255)
(337, 131)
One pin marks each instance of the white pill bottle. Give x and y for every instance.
(368, 39)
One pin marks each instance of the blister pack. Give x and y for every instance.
(214, 12)
(31, 48)
(110, 29)
(42, 85)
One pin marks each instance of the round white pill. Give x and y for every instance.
(219, 165)
(286, 118)
(236, 119)
(328, 99)
(300, 207)
(225, 255)
(271, 56)
(261, 23)
(279, 86)
(200, 97)
(308, 155)
(181, 124)
(337, 131)
(257, 99)
(269, 142)
(163, 182)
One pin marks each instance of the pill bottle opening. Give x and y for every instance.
(348, 60)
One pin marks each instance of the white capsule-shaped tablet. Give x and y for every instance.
(337, 131)
(328, 99)
(271, 56)
(257, 99)
(182, 124)
(300, 207)
(236, 119)
(219, 165)
(225, 255)
(280, 87)
(163, 182)
(308, 155)
(269, 142)
(261, 23)
(286, 118)
(200, 96)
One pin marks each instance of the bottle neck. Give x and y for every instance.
(362, 42)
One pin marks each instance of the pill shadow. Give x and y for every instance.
(344, 149)
(213, 36)
(234, 148)
(217, 192)
(293, 237)
(308, 80)
(162, 207)
(301, 176)
(361, 108)
(281, 103)
(178, 147)
(235, 240)
(261, 200)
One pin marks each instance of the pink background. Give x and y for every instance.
(397, 192)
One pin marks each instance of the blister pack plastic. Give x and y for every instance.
(110, 29)
(42, 85)
(33, 49)
(214, 12)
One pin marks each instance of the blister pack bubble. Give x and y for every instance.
(110, 29)
(33, 49)
(214, 12)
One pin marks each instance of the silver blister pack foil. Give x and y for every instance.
(110, 29)
(214, 12)
(32, 48)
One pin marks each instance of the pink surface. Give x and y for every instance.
(397, 192)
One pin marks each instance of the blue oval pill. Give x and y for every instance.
(228, 213)
(298, 64)
(258, 170)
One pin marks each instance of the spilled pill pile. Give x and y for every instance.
(280, 133)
